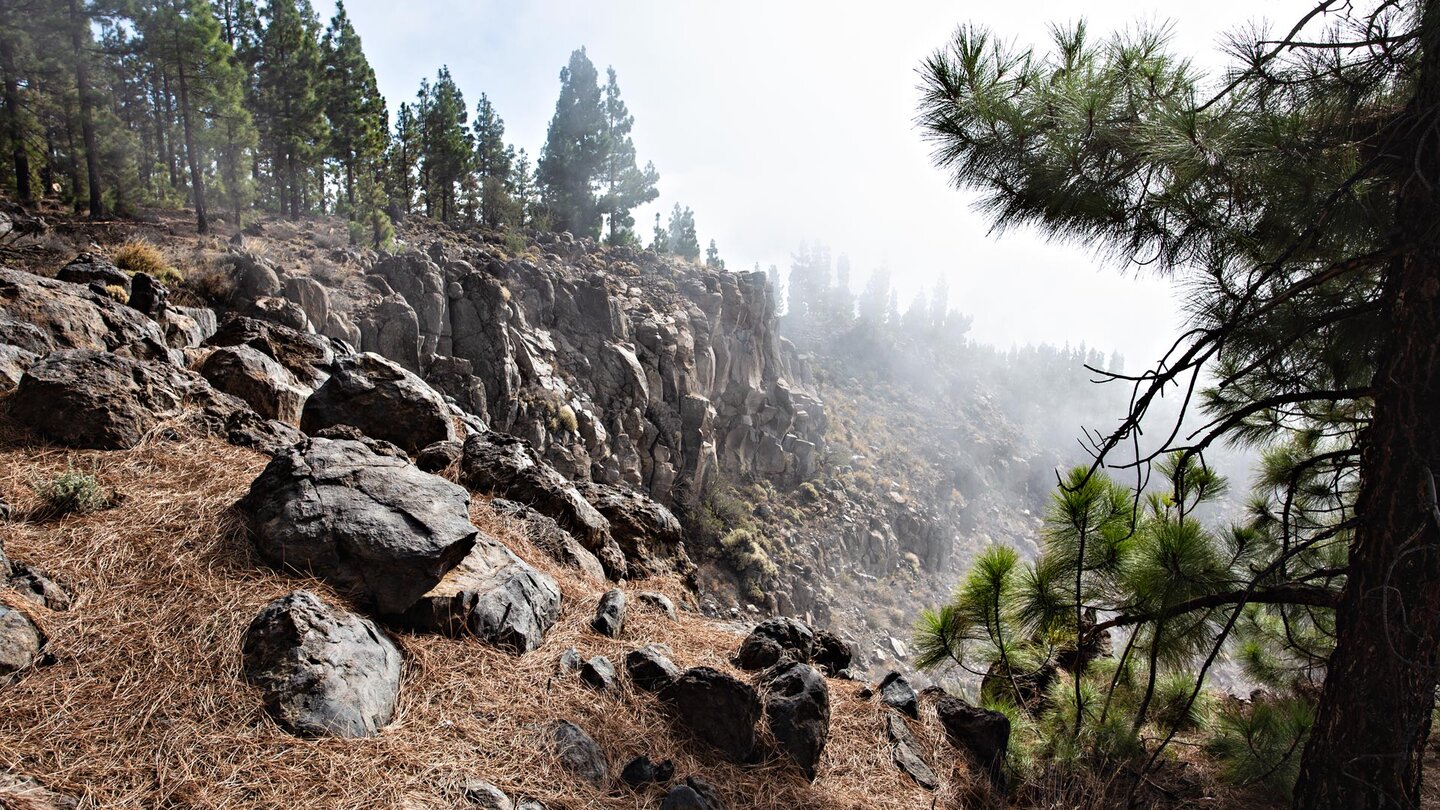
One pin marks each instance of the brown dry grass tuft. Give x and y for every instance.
(140, 256)
(144, 709)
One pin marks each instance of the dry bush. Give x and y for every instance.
(144, 707)
(140, 256)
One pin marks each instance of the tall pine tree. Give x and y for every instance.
(359, 123)
(289, 108)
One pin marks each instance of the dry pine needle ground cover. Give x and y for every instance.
(144, 708)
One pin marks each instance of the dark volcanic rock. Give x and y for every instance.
(610, 613)
(89, 268)
(369, 523)
(599, 673)
(896, 692)
(148, 295)
(648, 533)
(773, 639)
(905, 751)
(578, 753)
(492, 595)
(649, 669)
(265, 385)
(553, 540)
(20, 643)
(683, 797)
(42, 315)
(383, 400)
(307, 356)
(103, 401)
(983, 734)
(832, 654)
(642, 771)
(438, 457)
(323, 672)
(717, 709)
(797, 707)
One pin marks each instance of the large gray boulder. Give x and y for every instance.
(373, 524)
(506, 467)
(419, 281)
(773, 639)
(897, 693)
(650, 535)
(981, 733)
(13, 362)
(20, 643)
(103, 401)
(323, 672)
(383, 400)
(797, 708)
(268, 387)
(254, 277)
(307, 356)
(92, 268)
(311, 296)
(649, 668)
(42, 315)
(716, 708)
(492, 595)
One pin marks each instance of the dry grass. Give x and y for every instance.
(141, 256)
(143, 707)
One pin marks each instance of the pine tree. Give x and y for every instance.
(523, 189)
(712, 257)
(576, 148)
(660, 239)
(403, 161)
(626, 186)
(289, 109)
(359, 123)
(445, 145)
(681, 238)
(494, 166)
(1300, 197)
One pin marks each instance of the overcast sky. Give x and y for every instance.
(782, 121)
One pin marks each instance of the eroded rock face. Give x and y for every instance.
(492, 595)
(717, 709)
(323, 672)
(372, 524)
(383, 400)
(265, 385)
(42, 315)
(102, 401)
(307, 356)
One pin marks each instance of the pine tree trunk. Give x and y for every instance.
(197, 178)
(14, 125)
(79, 24)
(1371, 727)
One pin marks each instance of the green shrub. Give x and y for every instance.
(1172, 693)
(117, 292)
(72, 493)
(1259, 743)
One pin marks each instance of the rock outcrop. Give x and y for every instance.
(42, 315)
(383, 400)
(797, 709)
(323, 672)
(716, 708)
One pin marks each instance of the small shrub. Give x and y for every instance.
(72, 493)
(567, 419)
(1172, 694)
(1260, 743)
(213, 285)
(137, 256)
(117, 292)
(515, 243)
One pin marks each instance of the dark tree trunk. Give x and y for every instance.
(197, 178)
(79, 32)
(15, 128)
(169, 116)
(1374, 716)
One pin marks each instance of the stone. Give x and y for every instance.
(323, 672)
(642, 771)
(455, 377)
(312, 298)
(279, 310)
(20, 643)
(649, 669)
(773, 639)
(307, 356)
(383, 400)
(905, 752)
(389, 328)
(148, 295)
(42, 315)
(896, 692)
(372, 524)
(188, 327)
(649, 534)
(20, 793)
(610, 614)
(578, 753)
(683, 797)
(13, 362)
(266, 386)
(437, 457)
(658, 601)
(484, 796)
(506, 467)
(254, 277)
(491, 595)
(981, 733)
(569, 661)
(707, 792)
(102, 401)
(797, 709)
(599, 673)
(419, 281)
(553, 540)
(37, 586)
(90, 268)
(717, 708)
(831, 653)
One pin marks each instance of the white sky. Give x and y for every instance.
(779, 121)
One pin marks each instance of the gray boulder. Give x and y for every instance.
(905, 751)
(717, 708)
(383, 400)
(553, 540)
(897, 693)
(265, 385)
(307, 356)
(20, 643)
(254, 278)
(773, 639)
(91, 268)
(491, 595)
(578, 753)
(658, 601)
(323, 672)
(649, 534)
(981, 733)
(13, 362)
(148, 295)
(797, 708)
(649, 669)
(610, 614)
(373, 524)
(42, 315)
(482, 795)
(188, 327)
(599, 673)
(683, 797)
(279, 310)
(100, 400)
(438, 457)
(312, 298)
